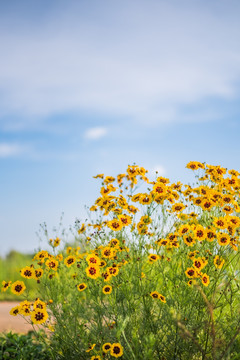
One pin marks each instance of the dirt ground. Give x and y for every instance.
(12, 323)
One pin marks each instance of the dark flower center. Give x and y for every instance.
(116, 350)
(28, 273)
(39, 316)
(18, 288)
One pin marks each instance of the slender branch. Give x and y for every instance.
(187, 332)
(230, 344)
(210, 310)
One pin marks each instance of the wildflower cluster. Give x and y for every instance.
(36, 310)
(155, 275)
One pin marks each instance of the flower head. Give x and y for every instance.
(116, 350)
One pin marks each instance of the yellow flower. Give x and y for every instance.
(109, 179)
(117, 211)
(153, 257)
(70, 260)
(159, 199)
(81, 287)
(194, 165)
(82, 229)
(59, 257)
(102, 263)
(145, 199)
(39, 316)
(157, 295)
(114, 243)
(207, 204)
(93, 272)
(24, 308)
(69, 250)
(132, 171)
(183, 229)
(154, 294)
(223, 239)
(91, 347)
(190, 282)
(5, 285)
(56, 242)
(178, 207)
(14, 311)
(199, 264)
(234, 221)
(18, 287)
(136, 197)
(197, 201)
(227, 199)
(192, 254)
(211, 234)
(220, 223)
(107, 190)
(162, 298)
(39, 304)
(125, 219)
(205, 280)
(93, 208)
(106, 347)
(189, 240)
(218, 261)
(146, 219)
(132, 209)
(116, 350)
(107, 289)
(159, 189)
(41, 255)
(162, 242)
(38, 273)
(227, 209)
(93, 260)
(106, 276)
(163, 180)
(200, 232)
(113, 270)
(115, 224)
(108, 252)
(192, 215)
(142, 228)
(28, 272)
(100, 176)
(52, 264)
(191, 272)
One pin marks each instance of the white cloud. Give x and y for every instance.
(159, 169)
(10, 150)
(95, 133)
(142, 60)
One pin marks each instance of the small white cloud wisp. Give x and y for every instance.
(10, 150)
(95, 133)
(159, 170)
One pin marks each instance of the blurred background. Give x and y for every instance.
(89, 87)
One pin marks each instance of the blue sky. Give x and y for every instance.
(89, 87)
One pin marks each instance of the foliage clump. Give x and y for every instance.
(156, 276)
(23, 347)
